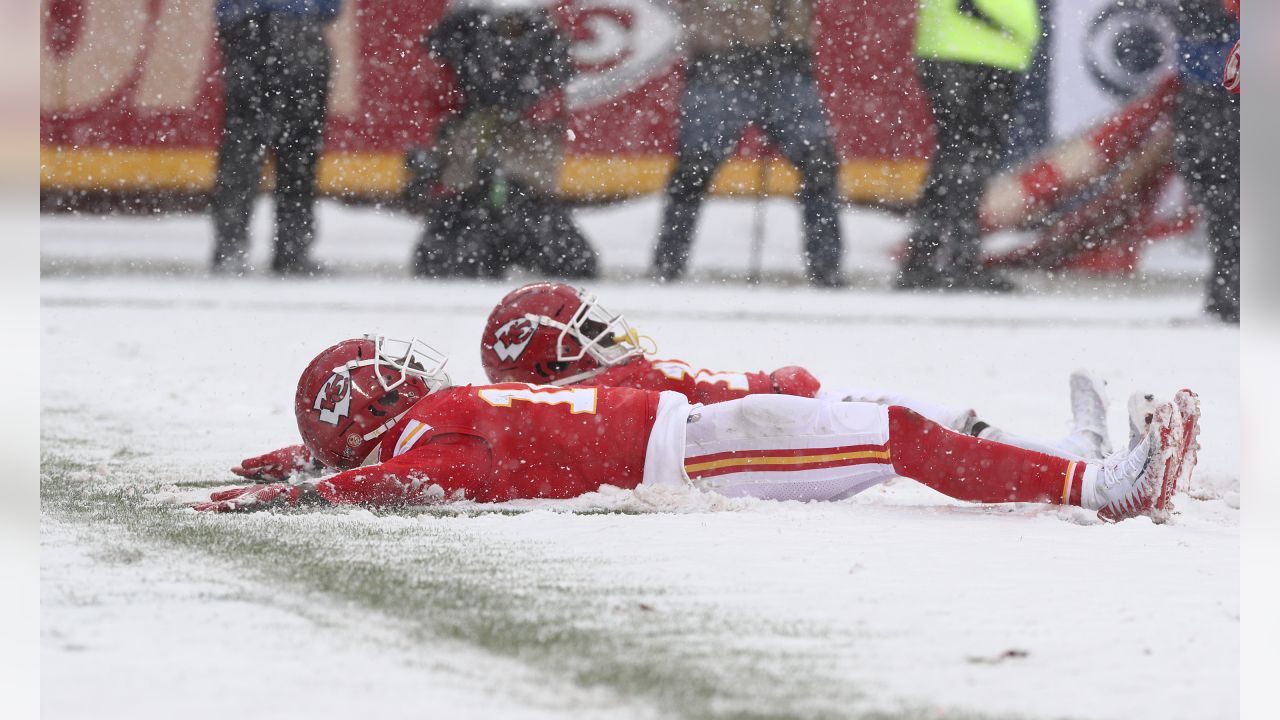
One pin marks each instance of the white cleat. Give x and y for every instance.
(1142, 480)
(1088, 436)
(1141, 406)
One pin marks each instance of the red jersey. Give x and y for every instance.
(699, 386)
(491, 443)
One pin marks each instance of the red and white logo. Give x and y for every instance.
(511, 339)
(334, 399)
(618, 45)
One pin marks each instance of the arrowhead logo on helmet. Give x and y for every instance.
(511, 339)
(334, 399)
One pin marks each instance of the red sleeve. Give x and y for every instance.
(710, 387)
(707, 386)
(447, 468)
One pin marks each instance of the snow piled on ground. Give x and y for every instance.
(654, 603)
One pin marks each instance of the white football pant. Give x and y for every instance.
(774, 447)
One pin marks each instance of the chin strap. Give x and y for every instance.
(645, 344)
(377, 432)
(586, 375)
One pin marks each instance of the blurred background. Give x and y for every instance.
(447, 149)
(963, 198)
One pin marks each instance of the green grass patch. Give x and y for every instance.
(437, 576)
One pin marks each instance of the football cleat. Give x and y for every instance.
(1088, 435)
(1142, 480)
(1141, 407)
(1189, 405)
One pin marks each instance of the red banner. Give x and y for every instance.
(131, 98)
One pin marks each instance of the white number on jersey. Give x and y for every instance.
(732, 380)
(673, 369)
(579, 400)
(677, 370)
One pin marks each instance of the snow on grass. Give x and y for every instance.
(654, 603)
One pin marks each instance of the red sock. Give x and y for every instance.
(967, 468)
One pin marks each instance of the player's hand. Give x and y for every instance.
(257, 497)
(277, 465)
(794, 380)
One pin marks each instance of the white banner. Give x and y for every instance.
(1104, 53)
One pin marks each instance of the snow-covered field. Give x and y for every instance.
(898, 603)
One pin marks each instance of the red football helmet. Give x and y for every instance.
(553, 334)
(355, 391)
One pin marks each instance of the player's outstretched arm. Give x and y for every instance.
(259, 497)
(709, 387)
(449, 468)
(278, 465)
(433, 473)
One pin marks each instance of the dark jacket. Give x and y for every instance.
(232, 10)
(1206, 33)
(714, 28)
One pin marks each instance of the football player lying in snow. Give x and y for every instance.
(553, 334)
(383, 412)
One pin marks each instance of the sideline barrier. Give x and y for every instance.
(131, 97)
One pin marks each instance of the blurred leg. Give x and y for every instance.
(931, 214)
(242, 148)
(302, 82)
(971, 106)
(713, 113)
(985, 139)
(1208, 158)
(545, 237)
(798, 126)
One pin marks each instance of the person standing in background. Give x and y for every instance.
(489, 189)
(1032, 127)
(276, 88)
(751, 62)
(1207, 143)
(971, 58)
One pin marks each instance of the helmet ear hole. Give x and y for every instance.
(551, 369)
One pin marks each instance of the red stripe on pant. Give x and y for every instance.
(967, 468)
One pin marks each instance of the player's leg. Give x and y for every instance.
(1087, 439)
(1142, 407)
(1130, 482)
(956, 417)
(780, 447)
